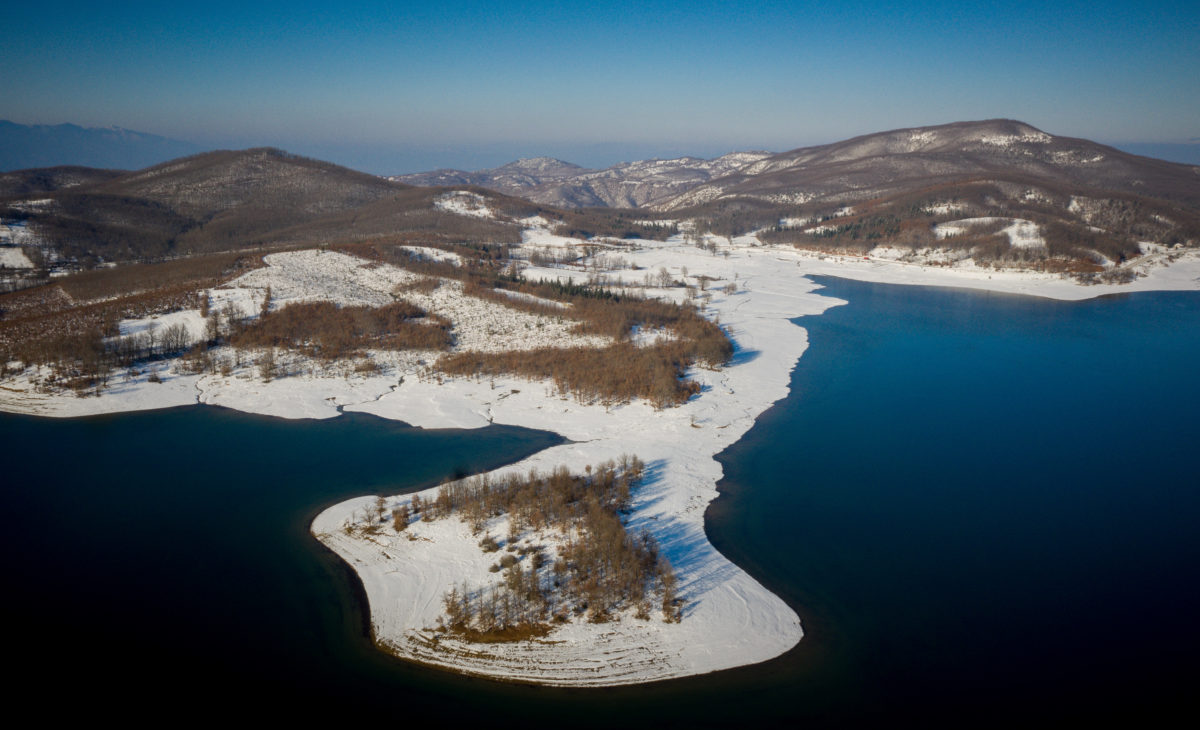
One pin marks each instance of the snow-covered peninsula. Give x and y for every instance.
(753, 291)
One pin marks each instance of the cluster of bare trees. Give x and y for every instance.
(611, 375)
(1076, 241)
(610, 223)
(552, 256)
(153, 342)
(328, 331)
(598, 571)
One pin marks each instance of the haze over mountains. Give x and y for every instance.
(24, 146)
(28, 146)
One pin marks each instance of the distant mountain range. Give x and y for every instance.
(564, 185)
(24, 146)
(857, 169)
(1087, 203)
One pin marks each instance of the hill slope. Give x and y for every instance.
(228, 200)
(999, 190)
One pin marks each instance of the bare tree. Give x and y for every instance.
(267, 365)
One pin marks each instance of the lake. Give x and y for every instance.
(982, 506)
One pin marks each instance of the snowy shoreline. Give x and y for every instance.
(1183, 274)
(729, 618)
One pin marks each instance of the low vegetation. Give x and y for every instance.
(328, 332)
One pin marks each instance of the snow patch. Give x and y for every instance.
(1021, 233)
(434, 254)
(1008, 140)
(464, 202)
(13, 257)
(1024, 234)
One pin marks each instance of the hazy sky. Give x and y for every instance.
(476, 83)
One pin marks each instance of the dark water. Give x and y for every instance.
(982, 507)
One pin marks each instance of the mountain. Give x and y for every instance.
(549, 181)
(1005, 191)
(887, 163)
(24, 146)
(230, 200)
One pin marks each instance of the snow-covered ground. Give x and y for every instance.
(13, 257)
(729, 619)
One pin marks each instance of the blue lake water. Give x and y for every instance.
(984, 508)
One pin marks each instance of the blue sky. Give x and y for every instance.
(477, 83)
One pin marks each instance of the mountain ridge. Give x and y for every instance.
(880, 163)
